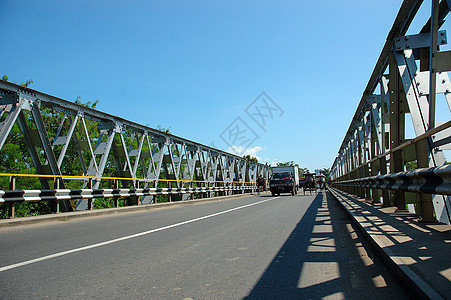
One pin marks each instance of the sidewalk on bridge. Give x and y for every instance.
(418, 253)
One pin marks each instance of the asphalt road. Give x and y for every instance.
(256, 247)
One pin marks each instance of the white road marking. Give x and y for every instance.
(32, 261)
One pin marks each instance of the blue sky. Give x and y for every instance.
(195, 66)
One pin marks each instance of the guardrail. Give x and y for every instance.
(209, 189)
(428, 181)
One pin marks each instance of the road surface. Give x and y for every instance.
(255, 247)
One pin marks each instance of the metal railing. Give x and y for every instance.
(206, 188)
(428, 181)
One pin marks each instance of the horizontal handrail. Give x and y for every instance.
(77, 194)
(436, 180)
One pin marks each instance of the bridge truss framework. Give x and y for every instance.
(59, 133)
(374, 158)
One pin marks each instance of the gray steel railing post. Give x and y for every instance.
(12, 187)
(116, 186)
(57, 186)
(169, 192)
(155, 182)
(90, 200)
(375, 195)
(427, 207)
(179, 187)
(385, 195)
(137, 198)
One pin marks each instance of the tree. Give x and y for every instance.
(250, 159)
(165, 130)
(284, 164)
(25, 84)
(302, 171)
(411, 165)
(89, 104)
(326, 173)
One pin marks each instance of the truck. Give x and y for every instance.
(284, 180)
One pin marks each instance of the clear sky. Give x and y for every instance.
(200, 67)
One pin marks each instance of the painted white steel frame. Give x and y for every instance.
(131, 149)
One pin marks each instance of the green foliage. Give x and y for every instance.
(164, 130)
(27, 83)
(250, 159)
(285, 164)
(89, 104)
(302, 171)
(411, 165)
(326, 173)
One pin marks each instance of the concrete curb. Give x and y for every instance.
(417, 286)
(106, 211)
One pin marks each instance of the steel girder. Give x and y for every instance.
(62, 136)
(410, 72)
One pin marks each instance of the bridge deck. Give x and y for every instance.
(253, 247)
(417, 252)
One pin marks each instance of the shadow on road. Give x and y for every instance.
(313, 263)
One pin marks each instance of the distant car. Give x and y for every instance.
(282, 182)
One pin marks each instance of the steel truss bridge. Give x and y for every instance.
(146, 162)
(409, 77)
(375, 159)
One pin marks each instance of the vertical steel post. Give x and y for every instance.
(90, 200)
(426, 205)
(116, 186)
(154, 196)
(385, 115)
(57, 186)
(12, 187)
(397, 123)
(433, 63)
